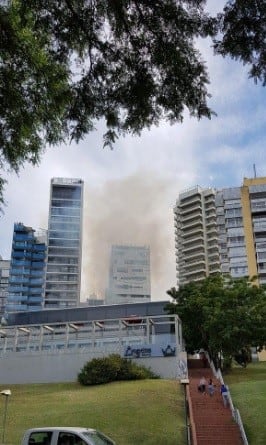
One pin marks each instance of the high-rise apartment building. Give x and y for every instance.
(231, 237)
(27, 270)
(129, 275)
(197, 253)
(227, 235)
(64, 243)
(4, 277)
(253, 198)
(242, 233)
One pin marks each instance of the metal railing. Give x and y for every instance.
(235, 412)
(91, 334)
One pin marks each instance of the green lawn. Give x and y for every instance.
(248, 390)
(147, 412)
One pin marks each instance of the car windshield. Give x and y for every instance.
(97, 438)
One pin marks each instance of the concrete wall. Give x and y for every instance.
(59, 366)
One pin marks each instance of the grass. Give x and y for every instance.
(248, 390)
(148, 412)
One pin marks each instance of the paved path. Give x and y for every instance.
(213, 422)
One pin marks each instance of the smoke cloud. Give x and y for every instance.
(136, 210)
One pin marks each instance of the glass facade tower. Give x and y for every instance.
(27, 270)
(64, 243)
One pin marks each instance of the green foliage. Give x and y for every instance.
(243, 34)
(222, 315)
(65, 65)
(110, 369)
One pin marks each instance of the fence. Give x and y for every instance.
(235, 412)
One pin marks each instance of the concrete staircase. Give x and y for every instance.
(214, 424)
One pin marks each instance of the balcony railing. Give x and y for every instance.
(152, 330)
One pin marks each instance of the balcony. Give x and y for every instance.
(259, 228)
(261, 270)
(19, 290)
(196, 215)
(189, 201)
(260, 245)
(196, 272)
(36, 273)
(18, 279)
(214, 269)
(21, 263)
(21, 271)
(38, 299)
(211, 222)
(191, 223)
(213, 250)
(16, 307)
(35, 291)
(191, 248)
(38, 256)
(17, 254)
(23, 237)
(191, 210)
(258, 207)
(19, 245)
(37, 265)
(36, 281)
(15, 298)
(193, 233)
(212, 237)
(209, 205)
(194, 263)
(198, 254)
(39, 248)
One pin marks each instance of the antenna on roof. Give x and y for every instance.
(254, 169)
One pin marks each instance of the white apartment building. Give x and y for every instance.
(129, 275)
(196, 237)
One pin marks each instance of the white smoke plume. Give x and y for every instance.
(136, 210)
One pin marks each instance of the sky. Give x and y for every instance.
(130, 191)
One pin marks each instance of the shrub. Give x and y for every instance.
(97, 371)
(112, 368)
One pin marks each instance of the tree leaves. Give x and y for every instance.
(220, 315)
(243, 35)
(64, 65)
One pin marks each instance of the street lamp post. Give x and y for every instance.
(6, 393)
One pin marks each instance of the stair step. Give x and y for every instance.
(214, 424)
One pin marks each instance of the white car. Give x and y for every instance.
(65, 436)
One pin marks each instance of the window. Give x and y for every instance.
(40, 438)
(66, 192)
(236, 240)
(233, 212)
(237, 251)
(234, 222)
(98, 438)
(261, 255)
